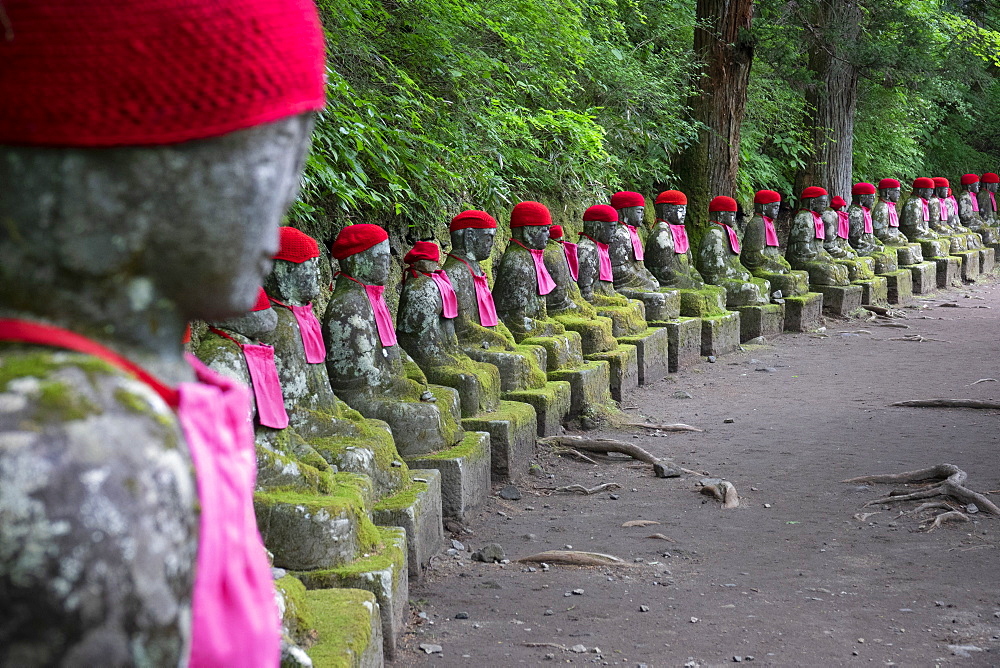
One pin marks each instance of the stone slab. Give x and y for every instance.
(932, 248)
(653, 352)
(970, 265)
(551, 403)
(465, 473)
(899, 286)
(765, 321)
(348, 628)
(709, 300)
(624, 369)
(685, 342)
(885, 261)
(909, 254)
(987, 260)
(804, 313)
(417, 509)
(924, 277)
(720, 334)
(590, 386)
(513, 430)
(560, 351)
(660, 306)
(839, 300)
(996, 250)
(949, 270)
(874, 291)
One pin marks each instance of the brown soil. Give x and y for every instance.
(791, 577)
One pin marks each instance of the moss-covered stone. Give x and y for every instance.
(804, 313)
(477, 383)
(720, 334)
(416, 509)
(348, 629)
(627, 319)
(299, 620)
(705, 302)
(465, 473)
(513, 428)
(596, 334)
(551, 402)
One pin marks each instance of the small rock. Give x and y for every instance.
(396, 463)
(451, 552)
(760, 340)
(457, 544)
(550, 656)
(613, 497)
(536, 470)
(861, 640)
(567, 547)
(510, 493)
(278, 573)
(549, 613)
(681, 394)
(429, 398)
(695, 620)
(461, 615)
(767, 505)
(643, 608)
(431, 649)
(737, 659)
(489, 554)
(595, 650)
(530, 536)
(578, 649)
(422, 615)
(972, 509)
(711, 359)
(766, 369)
(577, 592)
(854, 653)
(729, 421)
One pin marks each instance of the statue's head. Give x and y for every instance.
(767, 203)
(863, 194)
(599, 222)
(815, 199)
(923, 187)
(155, 177)
(889, 190)
(941, 187)
(671, 206)
(295, 276)
(472, 234)
(425, 257)
(837, 203)
(363, 253)
(723, 209)
(630, 206)
(255, 323)
(529, 224)
(990, 181)
(970, 182)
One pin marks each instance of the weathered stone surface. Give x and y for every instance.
(924, 275)
(949, 271)
(874, 291)
(348, 626)
(623, 368)
(804, 313)
(764, 321)
(670, 268)
(899, 286)
(719, 265)
(970, 265)
(465, 473)
(417, 510)
(839, 300)
(720, 334)
(590, 385)
(987, 260)
(561, 351)
(652, 352)
(705, 301)
(685, 342)
(807, 253)
(513, 429)
(909, 254)
(938, 247)
(552, 403)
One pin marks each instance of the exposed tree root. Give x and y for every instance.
(660, 536)
(661, 468)
(721, 490)
(677, 426)
(573, 558)
(952, 516)
(948, 403)
(945, 480)
(985, 380)
(640, 523)
(575, 454)
(580, 489)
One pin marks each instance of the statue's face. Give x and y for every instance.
(676, 213)
(924, 193)
(771, 210)
(973, 187)
(941, 191)
(866, 201)
(604, 231)
(479, 243)
(297, 281)
(631, 215)
(891, 194)
(725, 217)
(370, 266)
(819, 204)
(992, 187)
(535, 236)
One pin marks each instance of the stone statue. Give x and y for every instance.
(968, 207)
(719, 258)
(761, 253)
(947, 217)
(885, 217)
(837, 229)
(806, 241)
(122, 221)
(988, 199)
(915, 220)
(366, 366)
(632, 279)
(668, 255)
(862, 229)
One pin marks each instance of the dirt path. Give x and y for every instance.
(790, 578)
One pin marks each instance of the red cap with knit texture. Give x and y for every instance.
(111, 73)
(626, 199)
(923, 182)
(863, 189)
(529, 214)
(837, 202)
(672, 197)
(766, 197)
(262, 302)
(813, 191)
(888, 183)
(355, 239)
(990, 177)
(296, 246)
(602, 213)
(722, 203)
(555, 232)
(969, 179)
(423, 250)
(472, 218)
(941, 182)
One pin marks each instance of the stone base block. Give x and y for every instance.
(996, 250)
(653, 352)
(595, 333)
(839, 300)
(970, 265)
(932, 248)
(987, 260)
(874, 291)
(949, 270)
(416, 509)
(899, 286)
(560, 350)
(590, 386)
(465, 473)
(383, 573)
(660, 305)
(757, 321)
(348, 628)
(885, 261)
(909, 254)
(551, 403)
(626, 320)
(685, 342)
(924, 275)
(513, 429)
(720, 334)
(706, 301)
(624, 369)
(804, 313)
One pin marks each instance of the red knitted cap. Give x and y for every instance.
(627, 198)
(479, 220)
(923, 182)
(296, 246)
(262, 302)
(722, 203)
(672, 197)
(863, 189)
(968, 179)
(888, 183)
(355, 239)
(941, 182)
(813, 191)
(528, 214)
(837, 202)
(555, 232)
(990, 177)
(423, 250)
(111, 73)
(602, 213)
(766, 197)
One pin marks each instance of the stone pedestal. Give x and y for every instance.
(653, 353)
(589, 387)
(623, 369)
(970, 265)
(924, 277)
(899, 286)
(720, 334)
(513, 429)
(874, 291)
(804, 313)
(660, 306)
(932, 248)
(757, 321)
(417, 510)
(551, 403)
(465, 473)
(996, 250)
(949, 270)
(685, 342)
(706, 301)
(987, 260)
(909, 254)
(348, 628)
(839, 300)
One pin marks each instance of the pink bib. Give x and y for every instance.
(311, 332)
(542, 277)
(383, 321)
(770, 234)
(952, 206)
(893, 214)
(604, 272)
(993, 200)
(636, 243)
(925, 210)
(681, 242)
(818, 230)
(942, 209)
(866, 217)
(975, 202)
(843, 227)
(734, 238)
(263, 381)
(572, 259)
(449, 300)
(484, 300)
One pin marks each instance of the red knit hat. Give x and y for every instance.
(888, 183)
(355, 239)
(479, 220)
(527, 214)
(671, 197)
(722, 203)
(837, 202)
(813, 191)
(922, 182)
(990, 177)
(555, 232)
(423, 250)
(109, 73)
(296, 246)
(863, 189)
(262, 302)
(969, 179)
(941, 182)
(626, 199)
(602, 213)
(766, 197)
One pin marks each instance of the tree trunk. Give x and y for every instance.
(723, 44)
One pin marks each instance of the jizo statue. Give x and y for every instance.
(761, 251)
(668, 254)
(915, 220)
(632, 278)
(719, 258)
(862, 229)
(987, 198)
(806, 239)
(886, 215)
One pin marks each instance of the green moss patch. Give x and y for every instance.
(343, 627)
(299, 618)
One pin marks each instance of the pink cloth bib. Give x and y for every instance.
(636, 243)
(311, 332)
(893, 214)
(952, 206)
(449, 300)
(770, 234)
(542, 277)
(925, 210)
(866, 217)
(734, 238)
(263, 381)
(681, 242)
(942, 209)
(604, 272)
(484, 297)
(383, 321)
(993, 201)
(975, 202)
(818, 230)
(572, 259)
(843, 227)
